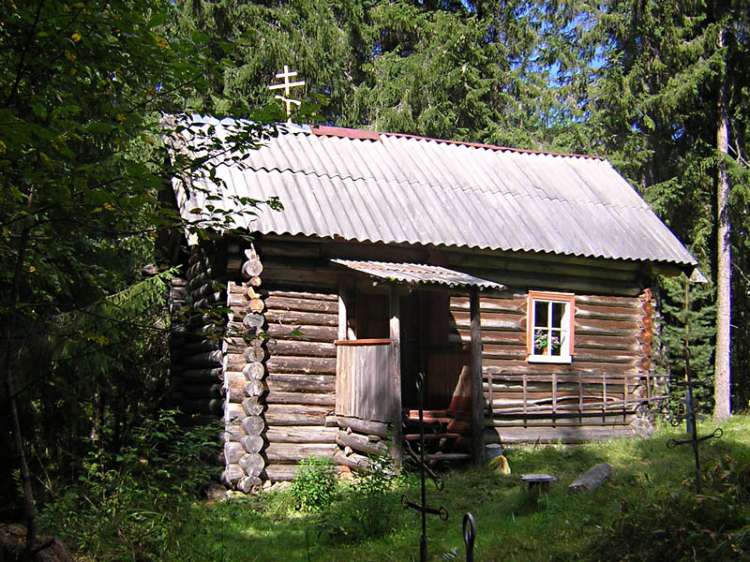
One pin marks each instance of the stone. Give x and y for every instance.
(13, 541)
(591, 479)
(280, 486)
(216, 492)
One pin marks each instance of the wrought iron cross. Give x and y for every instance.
(691, 419)
(422, 507)
(287, 87)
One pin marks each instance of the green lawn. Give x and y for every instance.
(561, 527)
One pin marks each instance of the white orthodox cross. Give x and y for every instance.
(287, 86)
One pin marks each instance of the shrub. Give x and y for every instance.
(367, 509)
(314, 486)
(125, 506)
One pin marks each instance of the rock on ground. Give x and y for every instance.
(13, 541)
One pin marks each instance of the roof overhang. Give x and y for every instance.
(419, 274)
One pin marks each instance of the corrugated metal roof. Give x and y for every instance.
(418, 274)
(402, 189)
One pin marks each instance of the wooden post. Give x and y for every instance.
(395, 375)
(554, 399)
(477, 396)
(342, 312)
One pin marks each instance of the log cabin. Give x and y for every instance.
(518, 282)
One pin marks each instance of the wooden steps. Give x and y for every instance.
(435, 458)
(444, 436)
(432, 436)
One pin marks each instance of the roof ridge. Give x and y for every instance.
(366, 134)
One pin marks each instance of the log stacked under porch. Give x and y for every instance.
(358, 440)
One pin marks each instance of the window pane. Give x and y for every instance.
(540, 313)
(564, 345)
(558, 310)
(540, 342)
(555, 340)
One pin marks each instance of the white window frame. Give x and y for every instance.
(566, 328)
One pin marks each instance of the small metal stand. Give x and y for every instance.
(422, 507)
(690, 418)
(470, 533)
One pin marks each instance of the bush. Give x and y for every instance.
(314, 486)
(125, 506)
(367, 509)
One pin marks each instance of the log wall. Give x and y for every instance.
(595, 397)
(196, 343)
(301, 329)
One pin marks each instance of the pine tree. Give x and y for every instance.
(655, 112)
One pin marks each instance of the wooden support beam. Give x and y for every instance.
(477, 396)
(395, 375)
(342, 313)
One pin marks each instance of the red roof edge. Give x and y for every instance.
(362, 134)
(359, 134)
(495, 147)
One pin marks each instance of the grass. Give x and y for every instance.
(268, 527)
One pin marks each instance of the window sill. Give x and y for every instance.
(559, 359)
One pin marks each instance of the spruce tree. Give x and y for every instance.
(658, 110)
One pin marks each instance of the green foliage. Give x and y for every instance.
(678, 525)
(314, 485)
(367, 509)
(653, 110)
(82, 170)
(125, 505)
(699, 325)
(646, 477)
(252, 41)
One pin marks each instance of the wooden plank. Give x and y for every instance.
(301, 332)
(275, 302)
(281, 347)
(301, 434)
(297, 382)
(288, 364)
(365, 427)
(342, 314)
(477, 396)
(296, 414)
(558, 266)
(303, 318)
(295, 452)
(554, 397)
(563, 420)
(395, 375)
(312, 398)
(614, 301)
(591, 376)
(580, 398)
(508, 435)
(366, 341)
(361, 443)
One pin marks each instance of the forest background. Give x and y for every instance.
(660, 88)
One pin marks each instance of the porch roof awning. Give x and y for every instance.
(418, 274)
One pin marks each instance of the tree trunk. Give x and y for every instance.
(8, 366)
(722, 367)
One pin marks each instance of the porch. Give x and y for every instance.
(395, 322)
